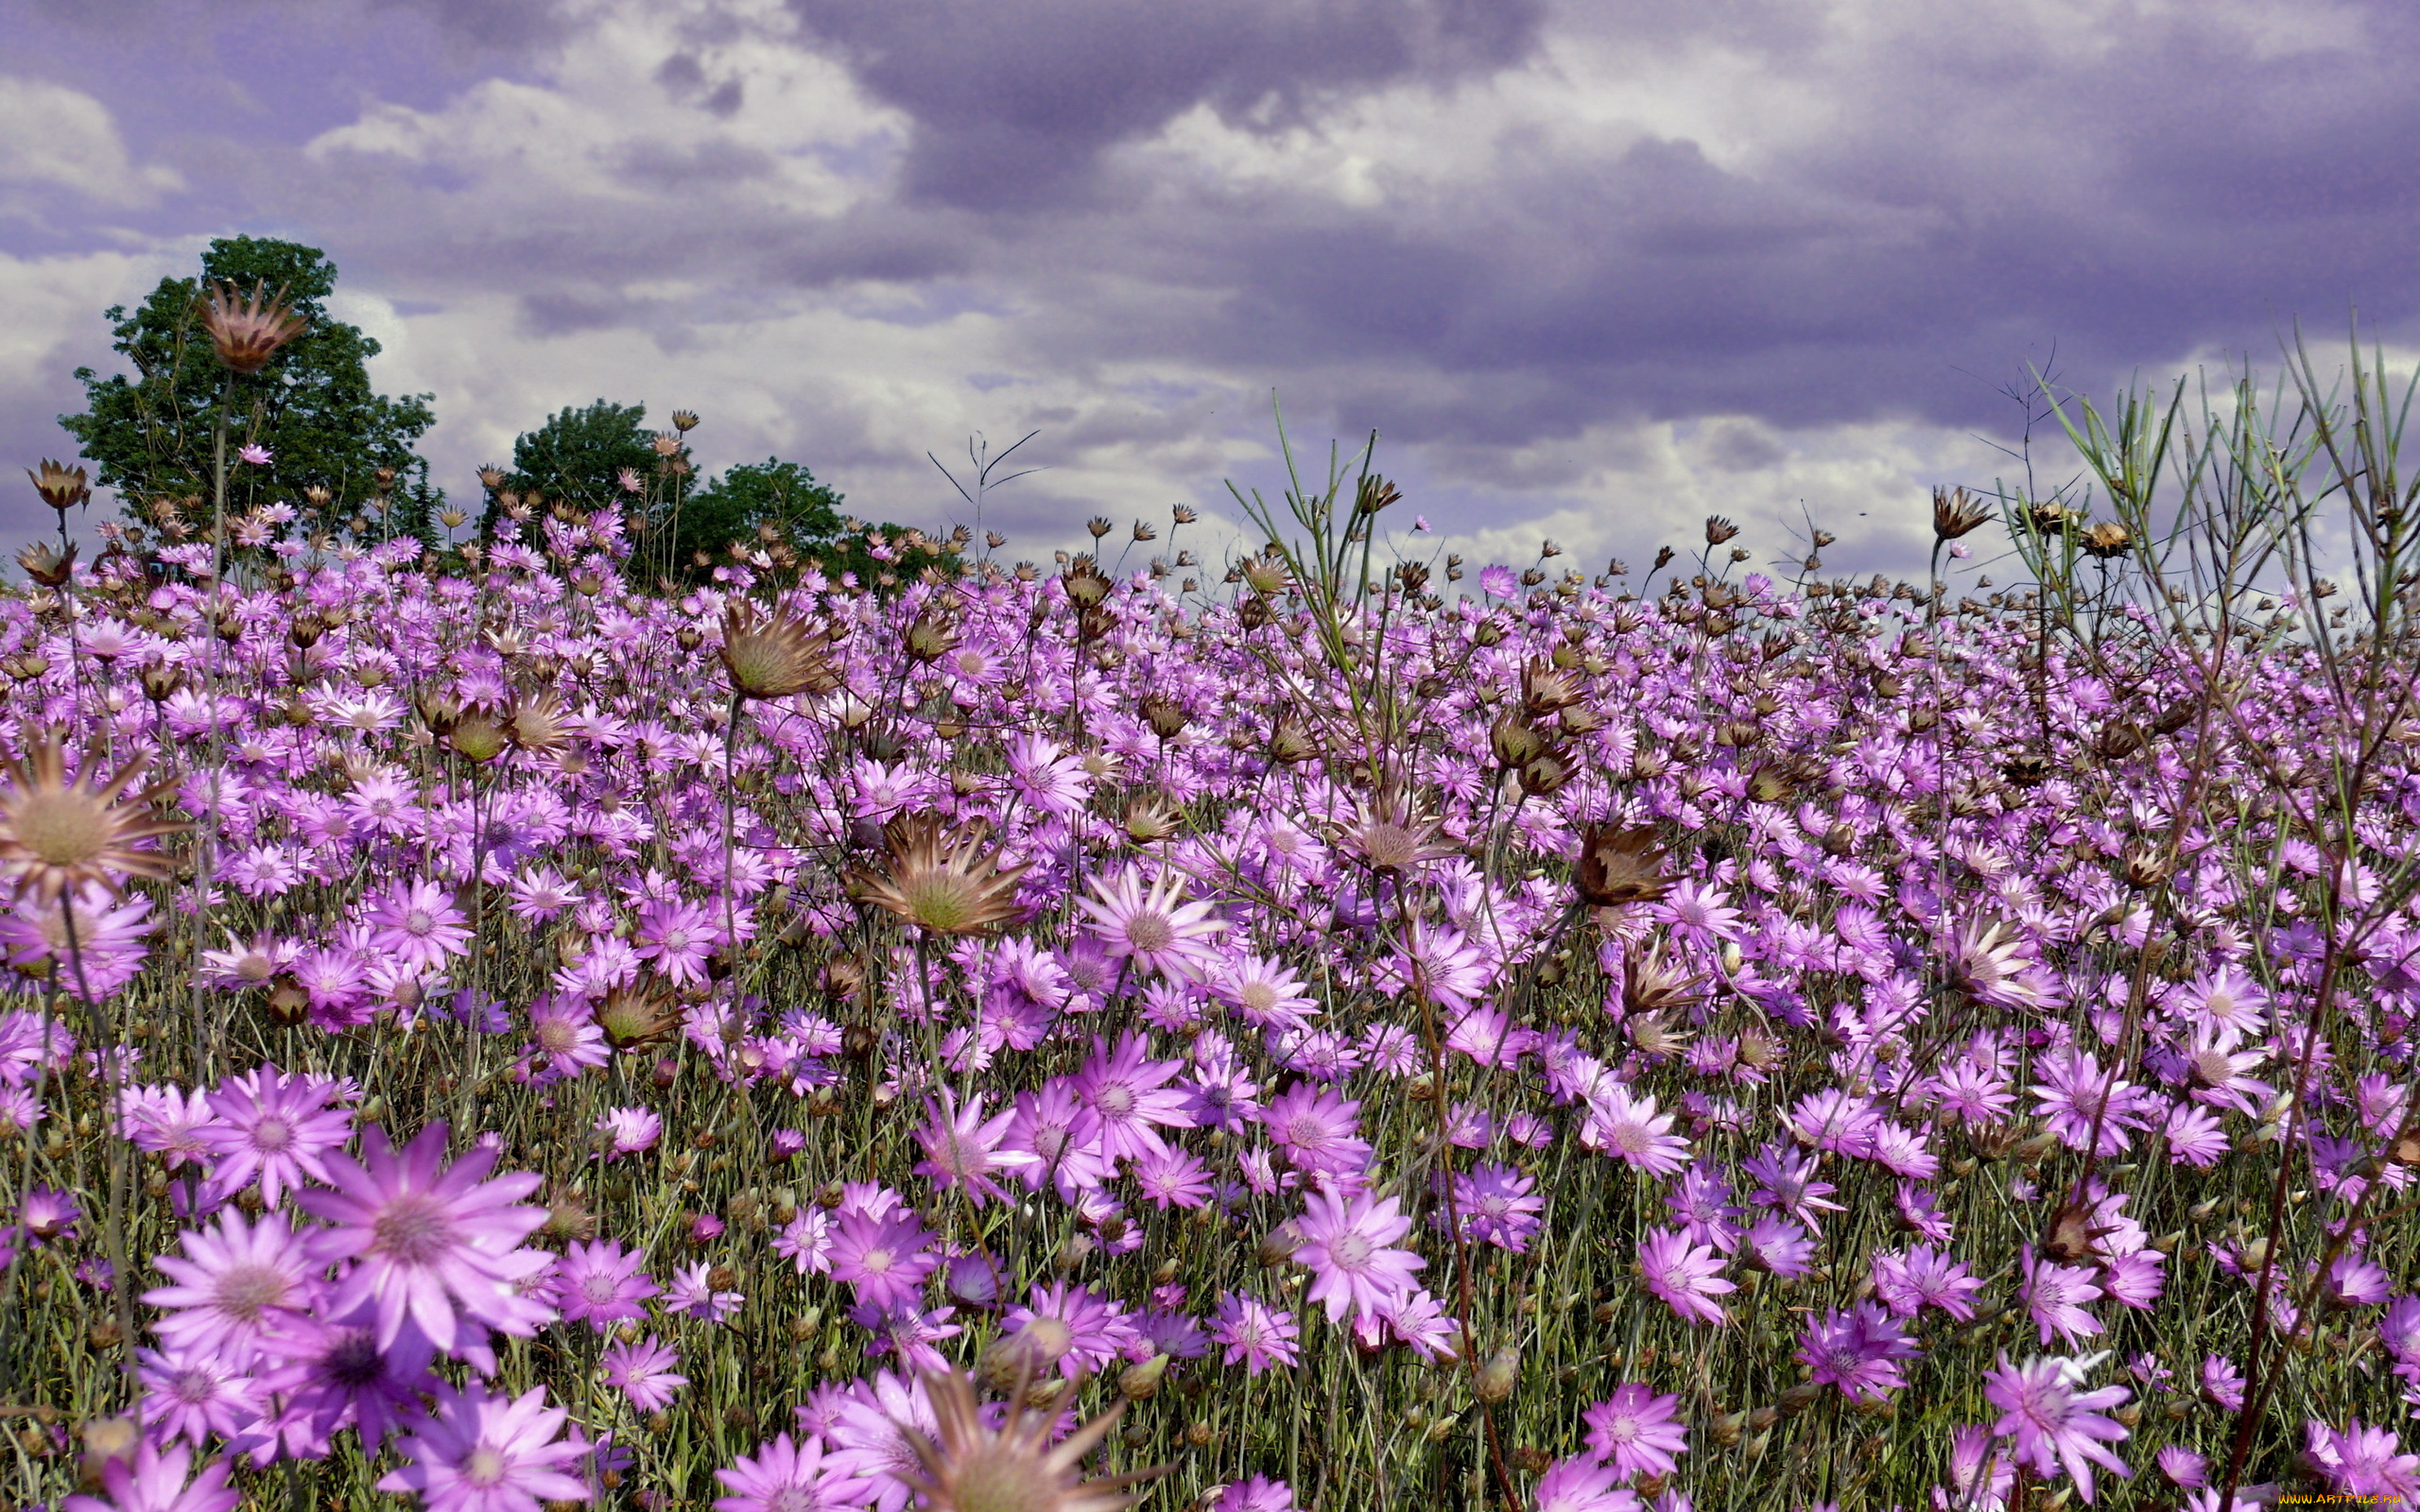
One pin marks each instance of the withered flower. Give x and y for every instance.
(684, 421)
(939, 878)
(1085, 583)
(1620, 864)
(535, 722)
(61, 487)
(770, 656)
(1546, 687)
(58, 835)
(48, 565)
(970, 1467)
(2072, 1237)
(247, 333)
(1150, 818)
(1718, 530)
(636, 1017)
(2107, 539)
(1651, 984)
(931, 637)
(1955, 513)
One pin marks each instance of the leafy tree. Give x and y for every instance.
(734, 506)
(579, 456)
(804, 516)
(343, 452)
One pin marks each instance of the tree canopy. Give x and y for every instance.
(342, 453)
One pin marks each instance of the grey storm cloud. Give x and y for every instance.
(1013, 102)
(1958, 193)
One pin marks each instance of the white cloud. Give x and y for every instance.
(51, 134)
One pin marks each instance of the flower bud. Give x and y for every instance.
(1498, 1376)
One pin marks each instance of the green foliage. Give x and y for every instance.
(313, 406)
(579, 456)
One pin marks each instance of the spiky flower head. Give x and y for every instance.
(535, 722)
(1957, 513)
(2107, 539)
(46, 564)
(969, 1468)
(1619, 866)
(57, 834)
(248, 331)
(939, 878)
(773, 656)
(61, 487)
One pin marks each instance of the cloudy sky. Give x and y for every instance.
(1593, 269)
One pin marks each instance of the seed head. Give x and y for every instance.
(939, 879)
(535, 722)
(57, 834)
(247, 331)
(969, 1468)
(1619, 866)
(1956, 512)
(46, 564)
(61, 487)
(773, 656)
(2106, 539)
(1718, 530)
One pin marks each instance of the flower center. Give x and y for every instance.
(419, 922)
(598, 1288)
(271, 1135)
(245, 1291)
(484, 1467)
(1116, 1100)
(194, 1386)
(63, 829)
(1623, 1429)
(1352, 1252)
(1258, 996)
(1150, 931)
(413, 1229)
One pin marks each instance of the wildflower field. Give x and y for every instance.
(1363, 1032)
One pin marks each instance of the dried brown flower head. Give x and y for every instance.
(1620, 864)
(1150, 818)
(535, 722)
(61, 487)
(1085, 583)
(48, 565)
(1652, 984)
(1957, 513)
(57, 834)
(2106, 539)
(1546, 687)
(939, 878)
(247, 331)
(969, 1468)
(772, 655)
(1718, 530)
(635, 1017)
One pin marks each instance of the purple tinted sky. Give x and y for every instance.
(1593, 270)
